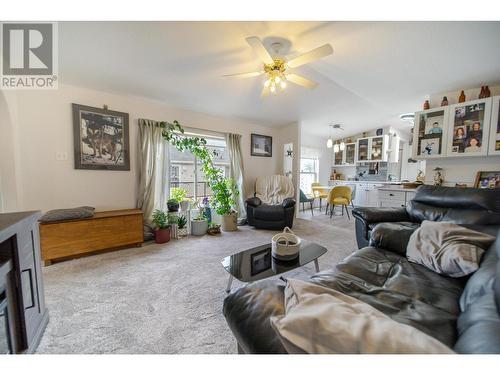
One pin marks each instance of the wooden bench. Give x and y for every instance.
(107, 230)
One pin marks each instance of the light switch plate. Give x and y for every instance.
(61, 156)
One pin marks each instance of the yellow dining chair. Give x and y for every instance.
(340, 196)
(319, 192)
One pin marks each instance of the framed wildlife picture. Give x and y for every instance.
(101, 139)
(261, 145)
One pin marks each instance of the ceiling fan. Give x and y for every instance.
(278, 69)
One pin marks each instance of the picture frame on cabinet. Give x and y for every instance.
(468, 128)
(430, 133)
(487, 180)
(494, 144)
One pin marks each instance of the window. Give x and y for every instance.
(309, 168)
(186, 171)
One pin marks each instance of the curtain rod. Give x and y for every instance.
(221, 136)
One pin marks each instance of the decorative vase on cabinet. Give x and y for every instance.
(430, 132)
(468, 128)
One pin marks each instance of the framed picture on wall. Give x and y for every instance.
(494, 148)
(487, 180)
(430, 132)
(261, 145)
(101, 138)
(468, 126)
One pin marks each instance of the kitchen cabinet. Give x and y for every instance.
(372, 148)
(388, 197)
(345, 157)
(366, 194)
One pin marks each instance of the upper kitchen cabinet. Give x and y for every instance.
(373, 148)
(494, 148)
(345, 157)
(430, 133)
(468, 128)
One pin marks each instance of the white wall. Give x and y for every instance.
(291, 133)
(313, 146)
(44, 127)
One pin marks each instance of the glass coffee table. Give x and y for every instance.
(257, 263)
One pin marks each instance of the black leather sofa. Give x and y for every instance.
(274, 217)
(462, 313)
(468, 206)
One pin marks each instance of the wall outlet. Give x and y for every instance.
(61, 156)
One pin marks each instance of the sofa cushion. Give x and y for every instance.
(392, 236)
(83, 212)
(447, 248)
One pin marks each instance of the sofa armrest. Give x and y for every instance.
(392, 236)
(288, 202)
(247, 311)
(254, 202)
(371, 215)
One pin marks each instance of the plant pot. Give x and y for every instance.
(199, 227)
(184, 205)
(162, 235)
(214, 230)
(229, 222)
(173, 207)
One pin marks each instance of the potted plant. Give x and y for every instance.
(180, 194)
(173, 205)
(182, 226)
(162, 231)
(199, 225)
(223, 189)
(213, 229)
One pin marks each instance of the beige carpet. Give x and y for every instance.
(163, 298)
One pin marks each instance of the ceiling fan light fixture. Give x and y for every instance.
(283, 85)
(267, 83)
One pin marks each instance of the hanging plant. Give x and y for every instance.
(224, 189)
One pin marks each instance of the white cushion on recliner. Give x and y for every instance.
(321, 320)
(274, 190)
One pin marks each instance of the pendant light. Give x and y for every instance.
(342, 145)
(329, 142)
(336, 148)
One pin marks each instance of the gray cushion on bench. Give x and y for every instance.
(68, 214)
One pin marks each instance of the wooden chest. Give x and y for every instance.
(105, 231)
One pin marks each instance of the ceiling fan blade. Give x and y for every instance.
(311, 56)
(260, 50)
(301, 81)
(243, 75)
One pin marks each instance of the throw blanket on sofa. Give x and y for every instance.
(321, 320)
(273, 190)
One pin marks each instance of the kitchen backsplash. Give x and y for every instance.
(372, 171)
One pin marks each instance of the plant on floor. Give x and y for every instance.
(160, 219)
(224, 190)
(161, 222)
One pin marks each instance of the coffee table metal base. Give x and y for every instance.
(230, 281)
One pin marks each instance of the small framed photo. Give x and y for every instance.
(487, 180)
(261, 145)
(101, 139)
(260, 261)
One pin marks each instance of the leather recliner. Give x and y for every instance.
(475, 208)
(271, 216)
(463, 313)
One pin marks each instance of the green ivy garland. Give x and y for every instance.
(224, 190)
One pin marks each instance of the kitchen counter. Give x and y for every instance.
(397, 188)
(367, 182)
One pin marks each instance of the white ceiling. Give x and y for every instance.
(378, 70)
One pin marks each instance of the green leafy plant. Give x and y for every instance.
(179, 194)
(172, 201)
(181, 221)
(173, 219)
(160, 219)
(200, 217)
(224, 190)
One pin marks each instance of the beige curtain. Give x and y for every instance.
(153, 188)
(233, 142)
